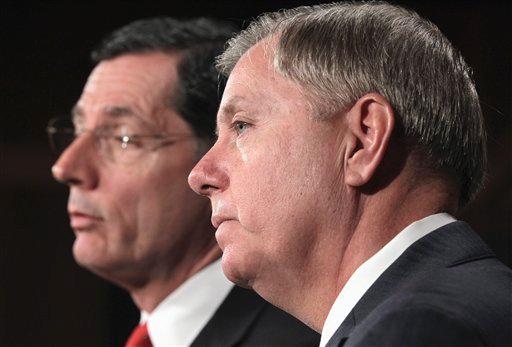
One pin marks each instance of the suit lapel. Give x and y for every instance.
(232, 320)
(450, 245)
(341, 335)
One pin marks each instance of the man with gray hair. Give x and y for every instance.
(349, 135)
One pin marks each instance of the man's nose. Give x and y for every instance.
(208, 177)
(76, 165)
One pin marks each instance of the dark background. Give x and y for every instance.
(45, 298)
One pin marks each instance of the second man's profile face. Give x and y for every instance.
(131, 218)
(271, 176)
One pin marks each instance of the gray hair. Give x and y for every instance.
(339, 52)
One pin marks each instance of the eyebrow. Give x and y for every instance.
(228, 109)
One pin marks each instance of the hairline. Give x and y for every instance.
(278, 23)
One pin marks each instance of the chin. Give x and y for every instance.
(238, 268)
(88, 250)
(91, 252)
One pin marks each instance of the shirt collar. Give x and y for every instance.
(181, 316)
(368, 272)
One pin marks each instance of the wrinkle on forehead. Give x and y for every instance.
(114, 112)
(268, 53)
(143, 83)
(257, 77)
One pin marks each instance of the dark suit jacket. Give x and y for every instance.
(245, 319)
(447, 289)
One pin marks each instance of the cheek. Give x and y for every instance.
(157, 199)
(280, 186)
(132, 198)
(122, 203)
(166, 200)
(263, 188)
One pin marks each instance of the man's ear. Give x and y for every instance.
(370, 124)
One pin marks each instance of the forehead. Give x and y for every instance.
(254, 83)
(140, 83)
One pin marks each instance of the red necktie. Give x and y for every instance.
(139, 337)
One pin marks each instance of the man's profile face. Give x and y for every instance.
(132, 220)
(271, 176)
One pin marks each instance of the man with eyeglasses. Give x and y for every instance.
(145, 117)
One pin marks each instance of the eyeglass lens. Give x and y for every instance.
(61, 133)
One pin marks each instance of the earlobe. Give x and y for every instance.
(370, 125)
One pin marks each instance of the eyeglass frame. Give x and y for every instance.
(100, 137)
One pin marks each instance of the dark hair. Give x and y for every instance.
(199, 88)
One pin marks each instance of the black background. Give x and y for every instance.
(45, 298)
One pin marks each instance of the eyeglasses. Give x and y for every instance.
(114, 143)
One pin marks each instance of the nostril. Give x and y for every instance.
(206, 178)
(65, 174)
(206, 187)
(69, 181)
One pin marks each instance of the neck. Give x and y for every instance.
(149, 295)
(373, 221)
(386, 216)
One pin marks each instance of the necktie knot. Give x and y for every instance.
(139, 337)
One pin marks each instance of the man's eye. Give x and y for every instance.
(240, 127)
(128, 141)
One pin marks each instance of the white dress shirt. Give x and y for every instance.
(366, 274)
(179, 318)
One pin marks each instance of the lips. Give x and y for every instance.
(82, 221)
(217, 220)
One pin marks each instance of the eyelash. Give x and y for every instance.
(235, 126)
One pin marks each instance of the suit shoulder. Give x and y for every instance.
(245, 319)
(274, 327)
(470, 302)
(474, 288)
(420, 324)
